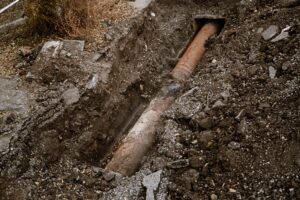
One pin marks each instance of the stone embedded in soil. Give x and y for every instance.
(206, 137)
(71, 96)
(231, 190)
(242, 127)
(4, 143)
(108, 176)
(213, 197)
(179, 164)
(11, 98)
(286, 65)
(25, 51)
(140, 4)
(21, 65)
(196, 162)
(96, 169)
(30, 77)
(206, 123)
(92, 83)
(270, 32)
(72, 47)
(281, 36)
(260, 30)
(272, 72)
(190, 176)
(234, 145)
(218, 104)
(225, 95)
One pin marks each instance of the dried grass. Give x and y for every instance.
(69, 17)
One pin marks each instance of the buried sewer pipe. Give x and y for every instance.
(140, 138)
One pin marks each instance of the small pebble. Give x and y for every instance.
(179, 164)
(218, 104)
(272, 72)
(213, 197)
(234, 145)
(231, 190)
(270, 32)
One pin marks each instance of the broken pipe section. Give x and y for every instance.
(140, 138)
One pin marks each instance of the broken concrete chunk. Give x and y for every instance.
(4, 143)
(270, 32)
(71, 96)
(12, 99)
(151, 182)
(92, 83)
(51, 49)
(72, 47)
(66, 48)
(281, 36)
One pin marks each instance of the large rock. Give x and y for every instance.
(65, 48)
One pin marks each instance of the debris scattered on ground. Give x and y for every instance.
(232, 134)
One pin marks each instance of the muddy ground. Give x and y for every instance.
(233, 133)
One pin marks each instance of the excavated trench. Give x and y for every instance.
(141, 53)
(234, 134)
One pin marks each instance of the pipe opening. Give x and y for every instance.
(201, 20)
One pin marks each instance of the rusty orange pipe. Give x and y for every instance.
(140, 138)
(194, 52)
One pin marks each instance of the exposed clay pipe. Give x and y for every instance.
(194, 52)
(141, 137)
